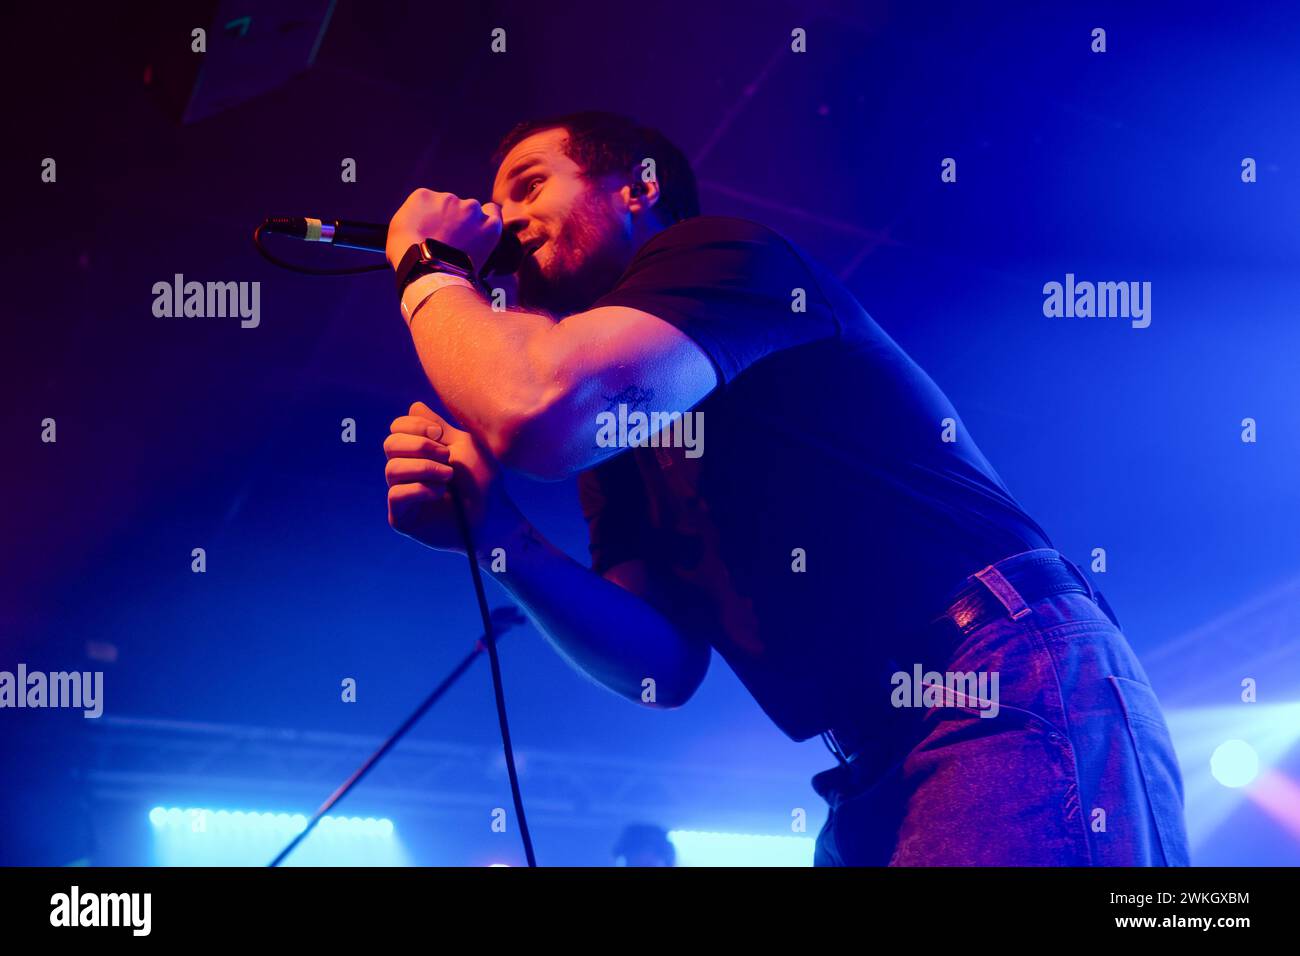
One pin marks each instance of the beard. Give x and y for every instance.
(583, 261)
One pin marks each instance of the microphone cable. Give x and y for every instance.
(498, 690)
(489, 632)
(275, 260)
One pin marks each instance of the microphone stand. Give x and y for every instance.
(502, 620)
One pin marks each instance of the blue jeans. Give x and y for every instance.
(1072, 767)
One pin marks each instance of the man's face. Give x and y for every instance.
(575, 236)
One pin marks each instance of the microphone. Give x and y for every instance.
(373, 237)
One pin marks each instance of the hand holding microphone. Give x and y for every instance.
(445, 215)
(463, 224)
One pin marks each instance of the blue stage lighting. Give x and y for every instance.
(199, 836)
(699, 848)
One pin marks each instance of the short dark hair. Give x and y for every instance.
(602, 143)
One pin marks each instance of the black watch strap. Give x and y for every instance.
(432, 256)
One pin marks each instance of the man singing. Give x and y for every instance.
(834, 532)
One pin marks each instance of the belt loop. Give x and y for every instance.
(1093, 593)
(1002, 589)
(1078, 573)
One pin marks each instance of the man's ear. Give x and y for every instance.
(641, 195)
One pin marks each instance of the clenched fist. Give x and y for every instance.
(425, 456)
(463, 224)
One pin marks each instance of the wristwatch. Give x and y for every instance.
(430, 256)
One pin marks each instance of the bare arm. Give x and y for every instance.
(531, 387)
(607, 627)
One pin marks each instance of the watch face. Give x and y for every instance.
(432, 256)
(436, 251)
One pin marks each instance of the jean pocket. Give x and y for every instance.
(1158, 763)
